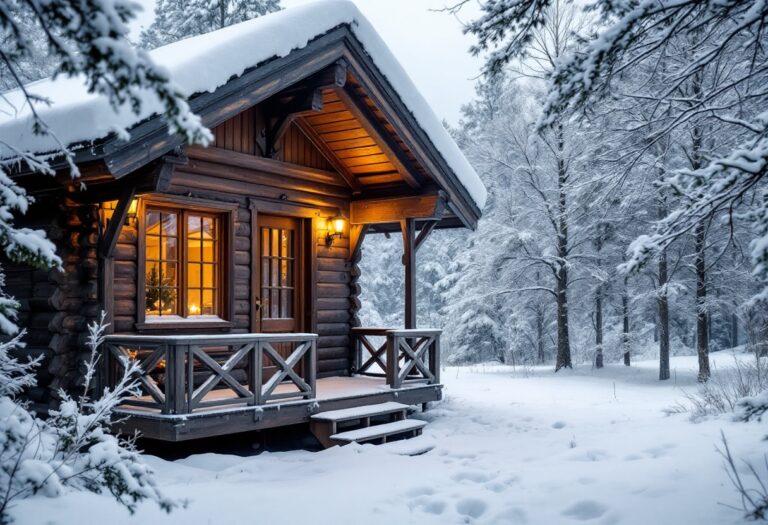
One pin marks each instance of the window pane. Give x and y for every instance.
(193, 237)
(275, 277)
(275, 242)
(208, 254)
(209, 231)
(209, 303)
(152, 223)
(274, 310)
(169, 248)
(193, 300)
(168, 276)
(152, 247)
(161, 271)
(284, 277)
(169, 224)
(194, 279)
(265, 241)
(286, 308)
(209, 276)
(167, 301)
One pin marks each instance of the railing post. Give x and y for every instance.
(309, 367)
(175, 387)
(258, 373)
(393, 363)
(434, 359)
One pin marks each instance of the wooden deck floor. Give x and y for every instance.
(333, 393)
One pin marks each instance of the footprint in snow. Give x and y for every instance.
(475, 476)
(429, 505)
(471, 507)
(585, 510)
(558, 424)
(512, 515)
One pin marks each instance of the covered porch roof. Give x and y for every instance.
(322, 65)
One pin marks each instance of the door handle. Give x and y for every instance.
(257, 304)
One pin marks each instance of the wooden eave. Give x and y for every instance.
(406, 159)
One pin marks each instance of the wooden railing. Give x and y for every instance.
(182, 374)
(404, 355)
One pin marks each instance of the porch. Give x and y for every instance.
(200, 386)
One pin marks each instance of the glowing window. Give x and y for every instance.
(182, 268)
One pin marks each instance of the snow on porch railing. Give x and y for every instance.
(405, 355)
(182, 374)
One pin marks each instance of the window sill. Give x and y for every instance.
(180, 323)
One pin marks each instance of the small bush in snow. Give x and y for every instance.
(754, 496)
(73, 449)
(730, 391)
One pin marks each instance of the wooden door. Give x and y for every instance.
(280, 291)
(280, 295)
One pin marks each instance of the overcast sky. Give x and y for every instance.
(429, 45)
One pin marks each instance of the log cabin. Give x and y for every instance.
(230, 272)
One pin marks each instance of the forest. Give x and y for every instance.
(578, 257)
(603, 330)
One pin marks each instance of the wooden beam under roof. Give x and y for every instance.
(394, 210)
(381, 136)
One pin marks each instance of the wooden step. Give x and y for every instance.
(382, 432)
(349, 414)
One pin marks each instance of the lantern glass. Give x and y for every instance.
(338, 225)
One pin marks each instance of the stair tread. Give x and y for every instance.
(346, 414)
(376, 431)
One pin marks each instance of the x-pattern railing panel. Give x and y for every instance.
(406, 355)
(219, 373)
(286, 369)
(148, 364)
(182, 358)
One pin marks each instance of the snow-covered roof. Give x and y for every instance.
(206, 62)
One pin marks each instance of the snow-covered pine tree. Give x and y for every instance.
(179, 19)
(86, 39)
(632, 35)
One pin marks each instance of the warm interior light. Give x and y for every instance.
(338, 224)
(133, 208)
(335, 229)
(194, 309)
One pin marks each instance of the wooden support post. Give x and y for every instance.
(426, 229)
(408, 227)
(357, 233)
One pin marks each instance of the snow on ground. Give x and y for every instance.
(538, 448)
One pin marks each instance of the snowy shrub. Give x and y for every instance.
(754, 499)
(73, 449)
(741, 389)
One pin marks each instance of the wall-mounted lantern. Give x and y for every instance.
(335, 229)
(133, 210)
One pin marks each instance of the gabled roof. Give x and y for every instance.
(201, 66)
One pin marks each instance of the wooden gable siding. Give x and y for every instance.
(240, 134)
(296, 148)
(237, 133)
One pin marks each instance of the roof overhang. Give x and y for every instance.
(150, 140)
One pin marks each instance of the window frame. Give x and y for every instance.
(185, 206)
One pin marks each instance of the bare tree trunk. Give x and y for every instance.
(625, 319)
(663, 301)
(734, 330)
(599, 327)
(599, 305)
(540, 335)
(702, 330)
(563, 342)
